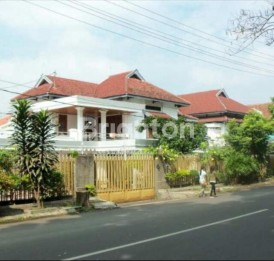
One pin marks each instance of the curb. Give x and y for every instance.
(41, 213)
(31, 214)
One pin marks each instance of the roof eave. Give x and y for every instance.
(149, 98)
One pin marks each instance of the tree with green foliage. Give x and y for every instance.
(251, 136)
(165, 154)
(177, 134)
(33, 139)
(250, 142)
(6, 160)
(9, 178)
(240, 167)
(22, 136)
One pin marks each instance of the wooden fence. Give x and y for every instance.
(66, 166)
(122, 178)
(16, 196)
(188, 162)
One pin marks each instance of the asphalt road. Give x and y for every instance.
(233, 226)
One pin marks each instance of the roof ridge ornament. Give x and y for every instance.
(137, 74)
(41, 79)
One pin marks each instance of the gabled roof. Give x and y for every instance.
(61, 87)
(263, 108)
(133, 84)
(6, 119)
(119, 85)
(214, 101)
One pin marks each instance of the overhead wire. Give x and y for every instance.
(84, 98)
(16, 85)
(190, 27)
(180, 29)
(141, 41)
(29, 96)
(163, 37)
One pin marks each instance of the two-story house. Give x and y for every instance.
(101, 116)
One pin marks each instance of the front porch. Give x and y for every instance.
(84, 123)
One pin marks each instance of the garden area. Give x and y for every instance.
(28, 170)
(246, 158)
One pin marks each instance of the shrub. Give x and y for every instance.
(6, 160)
(181, 178)
(8, 181)
(241, 168)
(195, 175)
(222, 178)
(74, 154)
(54, 185)
(91, 189)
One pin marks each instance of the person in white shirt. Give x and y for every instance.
(203, 181)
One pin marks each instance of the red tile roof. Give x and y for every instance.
(211, 101)
(122, 84)
(126, 83)
(112, 86)
(5, 120)
(263, 108)
(62, 87)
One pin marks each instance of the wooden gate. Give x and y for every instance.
(66, 165)
(125, 178)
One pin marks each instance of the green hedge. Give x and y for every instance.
(182, 178)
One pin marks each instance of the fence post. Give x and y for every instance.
(84, 172)
(160, 181)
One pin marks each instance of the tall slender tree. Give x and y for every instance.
(22, 137)
(33, 137)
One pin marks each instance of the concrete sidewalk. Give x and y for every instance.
(22, 212)
(193, 191)
(17, 213)
(173, 194)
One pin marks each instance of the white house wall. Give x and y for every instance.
(215, 132)
(170, 109)
(166, 107)
(72, 121)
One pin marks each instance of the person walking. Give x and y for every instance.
(203, 181)
(212, 181)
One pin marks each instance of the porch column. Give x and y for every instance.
(80, 123)
(96, 115)
(103, 127)
(127, 127)
(54, 120)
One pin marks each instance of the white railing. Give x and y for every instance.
(5, 134)
(72, 134)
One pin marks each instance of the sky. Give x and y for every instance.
(178, 45)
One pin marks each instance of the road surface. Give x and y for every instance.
(233, 226)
